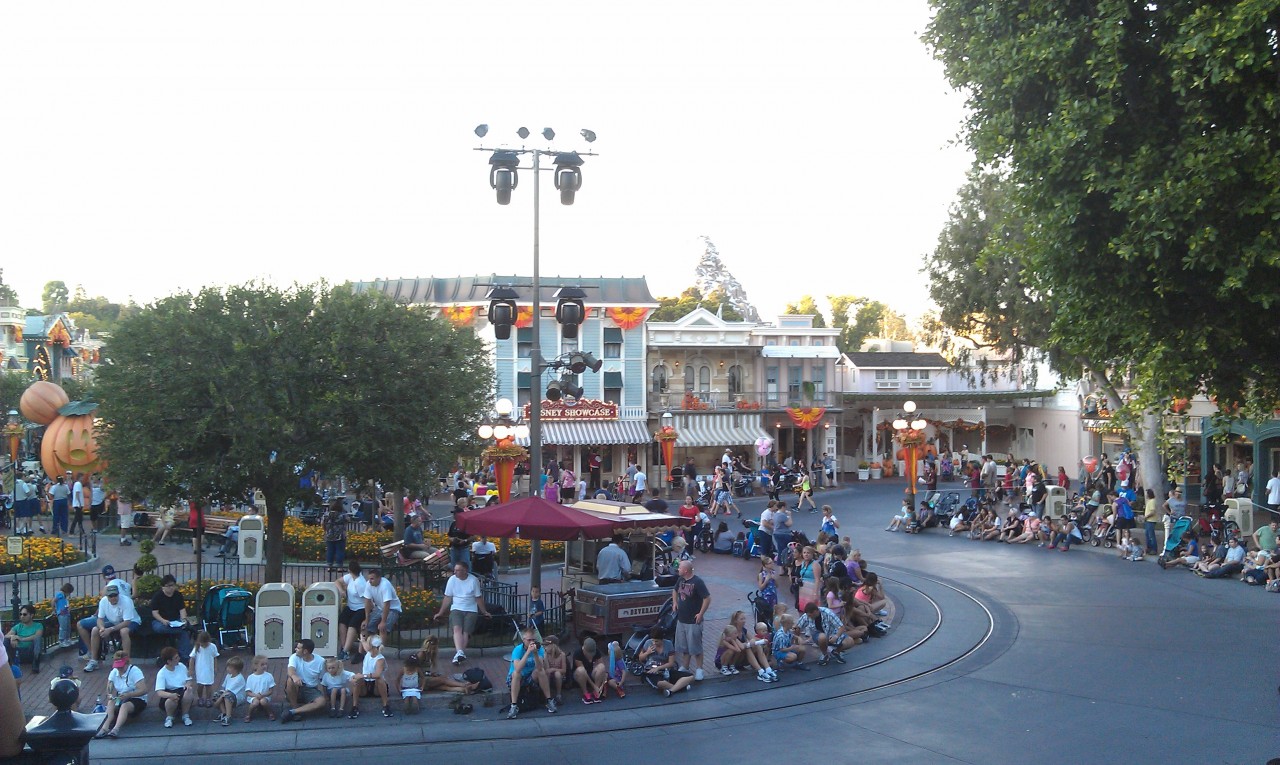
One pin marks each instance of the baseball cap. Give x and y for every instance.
(108, 570)
(113, 590)
(120, 663)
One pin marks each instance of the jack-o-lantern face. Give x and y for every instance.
(69, 444)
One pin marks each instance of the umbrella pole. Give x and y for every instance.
(535, 563)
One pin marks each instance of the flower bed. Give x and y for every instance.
(306, 543)
(38, 554)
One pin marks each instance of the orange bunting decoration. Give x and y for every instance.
(806, 417)
(627, 318)
(524, 316)
(460, 315)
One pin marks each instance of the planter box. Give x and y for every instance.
(864, 474)
(876, 473)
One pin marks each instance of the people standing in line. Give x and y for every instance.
(59, 495)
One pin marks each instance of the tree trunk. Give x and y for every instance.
(1151, 466)
(274, 547)
(397, 514)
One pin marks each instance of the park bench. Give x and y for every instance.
(433, 569)
(215, 527)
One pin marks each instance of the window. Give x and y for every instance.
(735, 379)
(794, 342)
(523, 397)
(818, 341)
(886, 374)
(917, 374)
(658, 379)
(612, 343)
(771, 383)
(704, 379)
(819, 378)
(613, 395)
(794, 375)
(688, 378)
(524, 342)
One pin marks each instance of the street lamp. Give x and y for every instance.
(911, 435)
(503, 177)
(504, 430)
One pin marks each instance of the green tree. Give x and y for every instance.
(213, 394)
(673, 308)
(8, 295)
(54, 297)
(1139, 142)
(807, 306)
(859, 318)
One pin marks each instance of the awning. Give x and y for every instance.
(719, 430)
(594, 433)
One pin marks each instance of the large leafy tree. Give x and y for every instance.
(859, 318)
(54, 297)
(1139, 141)
(807, 306)
(673, 308)
(214, 394)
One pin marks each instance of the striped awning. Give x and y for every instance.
(594, 433)
(719, 429)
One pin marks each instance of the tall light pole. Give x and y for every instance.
(911, 434)
(503, 177)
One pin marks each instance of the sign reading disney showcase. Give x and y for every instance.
(582, 409)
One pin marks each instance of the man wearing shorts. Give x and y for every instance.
(382, 606)
(302, 685)
(464, 600)
(691, 599)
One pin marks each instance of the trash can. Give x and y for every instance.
(260, 501)
(320, 617)
(1240, 510)
(252, 537)
(273, 620)
(1055, 503)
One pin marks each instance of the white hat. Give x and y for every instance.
(375, 641)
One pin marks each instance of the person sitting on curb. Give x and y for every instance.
(590, 672)
(174, 687)
(126, 695)
(659, 662)
(1190, 553)
(1228, 560)
(788, 644)
(372, 678)
(528, 664)
(302, 685)
(828, 633)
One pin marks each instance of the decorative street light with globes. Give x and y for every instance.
(911, 435)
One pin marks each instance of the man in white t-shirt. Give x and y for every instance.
(765, 537)
(352, 618)
(464, 600)
(640, 484)
(1273, 490)
(382, 606)
(116, 616)
(302, 685)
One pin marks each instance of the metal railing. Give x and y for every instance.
(725, 401)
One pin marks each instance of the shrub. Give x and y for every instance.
(38, 554)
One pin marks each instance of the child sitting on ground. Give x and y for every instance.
(434, 681)
(557, 664)
(788, 645)
(204, 667)
(232, 692)
(411, 684)
(258, 689)
(337, 686)
(903, 516)
(1129, 548)
(616, 669)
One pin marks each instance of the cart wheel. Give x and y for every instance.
(1108, 543)
(1094, 542)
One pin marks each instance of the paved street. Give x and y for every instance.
(999, 654)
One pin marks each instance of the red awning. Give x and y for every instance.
(535, 518)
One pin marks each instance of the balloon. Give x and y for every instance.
(1091, 464)
(764, 445)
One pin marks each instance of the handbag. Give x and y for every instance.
(808, 594)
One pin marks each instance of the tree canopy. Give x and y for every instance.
(1138, 142)
(214, 394)
(672, 308)
(55, 296)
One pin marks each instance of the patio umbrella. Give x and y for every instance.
(535, 518)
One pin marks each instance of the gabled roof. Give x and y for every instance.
(701, 318)
(611, 291)
(892, 360)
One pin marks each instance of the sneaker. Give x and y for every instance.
(733, 670)
(800, 666)
(335, 713)
(92, 666)
(587, 698)
(186, 720)
(354, 713)
(667, 693)
(698, 674)
(838, 657)
(168, 722)
(513, 711)
(725, 671)
(343, 656)
(773, 674)
(551, 706)
(824, 660)
(386, 712)
(882, 612)
(622, 692)
(287, 715)
(763, 677)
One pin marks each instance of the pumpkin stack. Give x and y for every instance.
(69, 442)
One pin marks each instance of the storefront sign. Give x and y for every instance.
(582, 409)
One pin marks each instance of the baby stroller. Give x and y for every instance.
(226, 612)
(1104, 532)
(760, 608)
(1173, 544)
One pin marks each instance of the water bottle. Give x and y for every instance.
(97, 705)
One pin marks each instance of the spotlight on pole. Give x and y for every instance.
(502, 311)
(590, 135)
(482, 131)
(581, 362)
(502, 174)
(568, 175)
(553, 390)
(523, 132)
(570, 310)
(549, 134)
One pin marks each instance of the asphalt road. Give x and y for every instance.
(1032, 656)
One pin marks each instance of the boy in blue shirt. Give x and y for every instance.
(62, 609)
(528, 663)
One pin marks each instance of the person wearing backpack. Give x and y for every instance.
(568, 485)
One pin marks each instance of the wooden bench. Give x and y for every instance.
(433, 568)
(215, 527)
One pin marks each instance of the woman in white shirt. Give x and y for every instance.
(126, 695)
(173, 687)
(351, 620)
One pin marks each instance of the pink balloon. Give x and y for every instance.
(1091, 464)
(764, 449)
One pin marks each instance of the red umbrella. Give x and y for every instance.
(535, 518)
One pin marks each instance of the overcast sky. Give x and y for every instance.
(147, 148)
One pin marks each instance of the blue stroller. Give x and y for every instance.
(1173, 544)
(226, 611)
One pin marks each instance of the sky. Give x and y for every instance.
(150, 148)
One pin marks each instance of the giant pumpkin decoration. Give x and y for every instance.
(41, 402)
(69, 444)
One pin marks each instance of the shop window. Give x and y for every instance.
(658, 379)
(704, 380)
(735, 379)
(524, 342)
